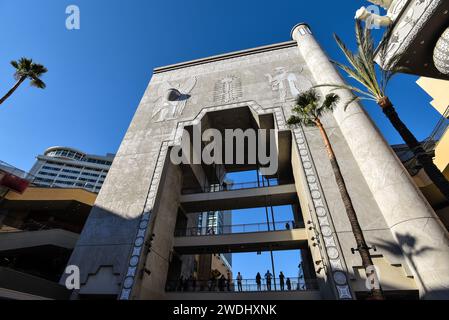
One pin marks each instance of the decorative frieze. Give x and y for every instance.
(325, 225)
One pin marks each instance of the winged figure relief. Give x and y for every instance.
(172, 99)
(288, 84)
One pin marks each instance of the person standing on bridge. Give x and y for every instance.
(239, 282)
(268, 277)
(289, 284)
(281, 280)
(259, 281)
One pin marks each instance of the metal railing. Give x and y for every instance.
(245, 285)
(438, 132)
(235, 186)
(239, 228)
(31, 225)
(15, 171)
(429, 145)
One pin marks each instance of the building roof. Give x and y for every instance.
(225, 56)
(54, 194)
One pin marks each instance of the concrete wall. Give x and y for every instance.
(418, 234)
(159, 256)
(135, 198)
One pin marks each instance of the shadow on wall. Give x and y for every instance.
(409, 246)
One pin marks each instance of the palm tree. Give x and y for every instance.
(308, 111)
(362, 68)
(25, 68)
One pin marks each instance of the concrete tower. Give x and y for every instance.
(128, 249)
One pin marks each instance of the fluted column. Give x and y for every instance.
(414, 224)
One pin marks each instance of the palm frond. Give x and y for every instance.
(366, 53)
(354, 99)
(15, 64)
(356, 75)
(38, 83)
(330, 101)
(25, 64)
(348, 87)
(358, 70)
(38, 69)
(308, 108)
(361, 64)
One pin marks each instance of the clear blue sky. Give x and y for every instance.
(97, 75)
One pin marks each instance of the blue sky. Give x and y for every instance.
(97, 74)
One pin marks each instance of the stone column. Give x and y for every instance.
(414, 224)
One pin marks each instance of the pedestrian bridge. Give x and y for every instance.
(240, 199)
(239, 296)
(242, 242)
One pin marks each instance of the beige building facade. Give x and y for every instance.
(438, 90)
(129, 245)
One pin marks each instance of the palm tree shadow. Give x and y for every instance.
(408, 246)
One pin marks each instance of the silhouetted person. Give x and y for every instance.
(289, 284)
(287, 226)
(181, 283)
(281, 280)
(239, 282)
(228, 281)
(221, 283)
(193, 283)
(259, 281)
(212, 283)
(268, 277)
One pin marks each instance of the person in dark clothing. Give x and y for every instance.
(289, 284)
(268, 277)
(281, 280)
(228, 282)
(212, 282)
(239, 282)
(181, 284)
(287, 226)
(193, 283)
(221, 283)
(259, 281)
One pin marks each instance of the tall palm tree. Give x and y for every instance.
(26, 69)
(362, 68)
(308, 111)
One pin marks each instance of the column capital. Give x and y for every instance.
(301, 28)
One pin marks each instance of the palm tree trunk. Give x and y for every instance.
(11, 91)
(423, 158)
(350, 211)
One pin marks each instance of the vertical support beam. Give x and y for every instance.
(414, 224)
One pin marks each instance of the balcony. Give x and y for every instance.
(239, 228)
(240, 196)
(216, 289)
(235, 186)
(242, 242)
(14, 240)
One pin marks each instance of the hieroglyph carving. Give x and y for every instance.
(288, 84)
(172, 99)
(228, 89)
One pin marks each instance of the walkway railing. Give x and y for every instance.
(438, 132)
(238, 228)
(245, 285)
(15, 171)
(235, 186)
(32, 225)
(429, 145)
